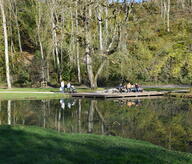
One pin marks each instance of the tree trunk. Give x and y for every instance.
(55, 48)
(77, 45)
(101, 118)
(6, 44)
(38, 21)
(100, 28)
(17, 24)
(9, 112)
(168, 14)
(79, 116)
(91, 116)
(88, 49)
(90, 69)
(161, 8)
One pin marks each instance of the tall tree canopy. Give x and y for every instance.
(96, 42)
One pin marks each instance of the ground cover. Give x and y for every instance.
(79, 89)
(32, 96)
(22, 144)
(31, 93)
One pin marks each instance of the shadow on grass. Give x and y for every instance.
(36, 145)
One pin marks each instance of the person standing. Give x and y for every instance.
(68, 86)
(62, 88)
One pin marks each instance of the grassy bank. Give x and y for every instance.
(181, 95)
(79, 89)
(46, 93)
(32, 96)
(36, 145)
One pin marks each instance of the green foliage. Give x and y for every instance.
(146, 51)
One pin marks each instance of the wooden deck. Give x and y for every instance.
(117, 95)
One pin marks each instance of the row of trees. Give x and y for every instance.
(93, 42)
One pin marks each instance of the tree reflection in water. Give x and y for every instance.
(165, 122)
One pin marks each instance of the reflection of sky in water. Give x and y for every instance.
(164, 121)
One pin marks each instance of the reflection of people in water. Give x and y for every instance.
(133, 103)
(69, 103)
(62, 104)
(129, 103)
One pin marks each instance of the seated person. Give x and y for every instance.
(68, 86)
(128, 87)
(120, 88)
(73, 90)
(136, 87)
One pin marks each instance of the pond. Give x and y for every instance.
(162, 121)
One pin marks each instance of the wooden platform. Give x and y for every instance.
(117, 95)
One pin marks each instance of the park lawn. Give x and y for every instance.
(31, 89)
(46, 93)
(32, 96)
(79, 89)
(24, 144)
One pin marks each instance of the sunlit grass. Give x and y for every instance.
(33, 145)
(46, 93)
(31, 96)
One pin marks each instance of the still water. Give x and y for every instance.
(162, 121)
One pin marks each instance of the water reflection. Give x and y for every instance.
(165, 122)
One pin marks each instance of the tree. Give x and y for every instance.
(5, 43)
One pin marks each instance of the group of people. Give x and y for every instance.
(67, 87)
(129, 88)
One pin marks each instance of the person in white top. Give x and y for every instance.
(68, 86)
(62, 86)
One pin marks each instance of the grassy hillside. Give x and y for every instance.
(36, 145)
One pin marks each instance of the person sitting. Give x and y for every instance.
(128, 87)
(136, 87)
(73, 90)
(120, 87)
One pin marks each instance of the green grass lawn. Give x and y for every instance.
(33, 96)
(79, 89)
(35, 145)
(32, 89)
(55, 94)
